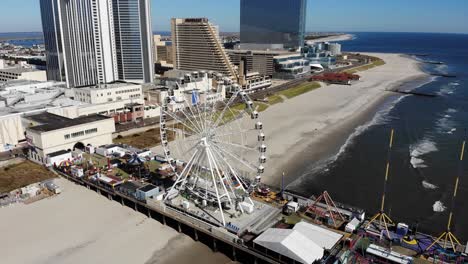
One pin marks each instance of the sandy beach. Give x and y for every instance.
(80, 226)
(313, 126)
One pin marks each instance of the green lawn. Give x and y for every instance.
(375, 63)
(260, 107)
(301, 89)
(274, 99)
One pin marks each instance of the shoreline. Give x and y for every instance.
(324, 136)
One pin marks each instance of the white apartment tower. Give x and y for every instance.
(90, 42)
(197, 46)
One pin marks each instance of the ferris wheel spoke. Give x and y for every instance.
(231, 100)
(236, 157)
(233, 172)
(192, 122)
(178, 130)
(194, 115)
(181, 121)
(233, 133)
(235, 145)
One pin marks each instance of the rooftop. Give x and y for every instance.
(109, 86)
(52, 122)
(147, 188)
(18, 70)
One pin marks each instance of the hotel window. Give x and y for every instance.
(90, 131)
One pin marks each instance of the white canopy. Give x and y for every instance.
(323, 237)
(290, 243)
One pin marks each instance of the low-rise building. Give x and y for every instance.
(185, 87)
(8, 74)
(49, 134)
(105, 93)
(291, 66)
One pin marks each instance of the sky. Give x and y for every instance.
(449, 16)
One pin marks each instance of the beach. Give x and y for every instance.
(80, 226)
(312, 127)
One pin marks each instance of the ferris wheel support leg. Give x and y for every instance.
(220, 177)
(216, 189)
(180, 176)
(237, 179)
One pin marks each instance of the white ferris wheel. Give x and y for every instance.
(216, 149)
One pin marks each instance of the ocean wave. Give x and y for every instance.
(441, 68)
(419, 149)
(447, 90)
(445, 124)
(429, 186)
(439, 207)
(454, 83)
(380, 118)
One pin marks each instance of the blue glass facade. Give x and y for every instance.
(273, 22)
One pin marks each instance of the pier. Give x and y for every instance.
(413, 93)
(444, 75)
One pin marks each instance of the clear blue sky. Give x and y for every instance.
(322, 15)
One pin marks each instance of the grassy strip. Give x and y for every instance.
(22, 174)
(146, 139)
(274, 99)
(375, 63)
(301, 89)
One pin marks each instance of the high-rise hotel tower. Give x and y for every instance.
(90, 42)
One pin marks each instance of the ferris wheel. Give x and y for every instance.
(216, 148)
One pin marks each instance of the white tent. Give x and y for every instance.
(290, 243)
(323, 237)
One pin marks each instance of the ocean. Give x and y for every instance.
(428, 138)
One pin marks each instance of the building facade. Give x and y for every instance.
(10, 74)
(91, 42)
(162, 50)
(50, 134)
(254, 60)
(272, 23)
(197, 46)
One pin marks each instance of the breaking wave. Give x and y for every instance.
(429, 186)
(445, 124)
(447, 90)
(439, 207)
(419, 149)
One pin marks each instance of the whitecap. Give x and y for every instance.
(451, 131)
(417, 163)
(419, 149)
(429, 186)
(439, 207)
(454, 84)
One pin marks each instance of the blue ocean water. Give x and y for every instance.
(25, 39)
(428, 137)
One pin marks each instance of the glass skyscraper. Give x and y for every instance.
(273, 22)
(91, 42)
